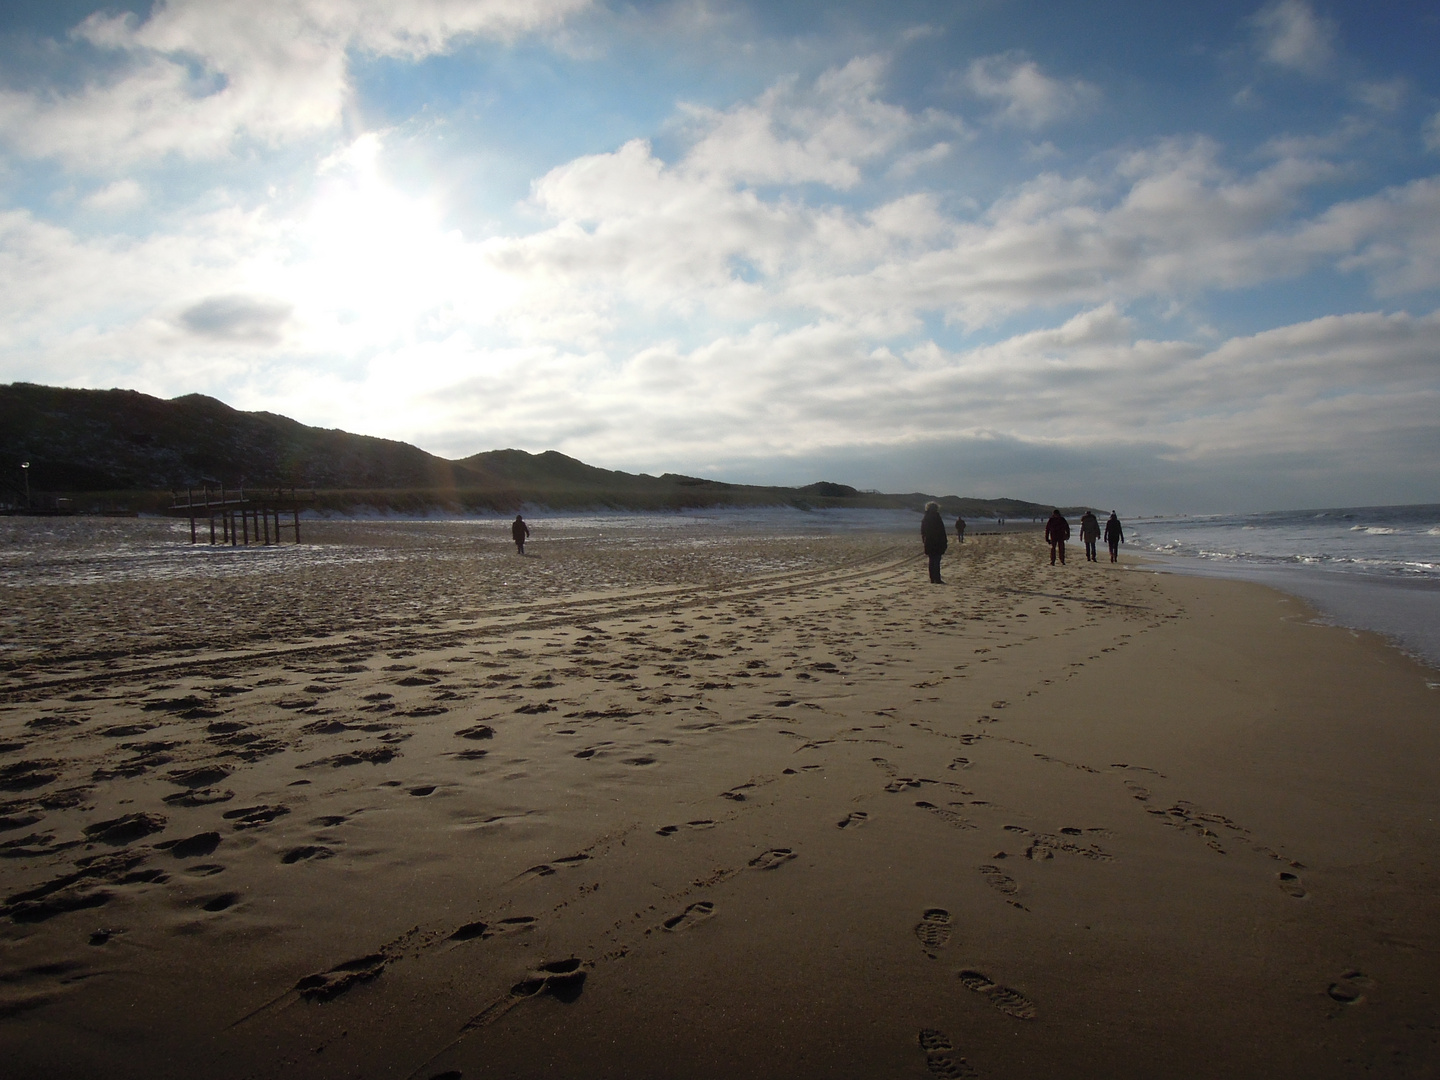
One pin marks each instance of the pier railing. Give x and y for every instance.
(238, 518)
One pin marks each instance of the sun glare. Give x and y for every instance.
(376, 265)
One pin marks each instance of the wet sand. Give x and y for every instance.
(654, 804)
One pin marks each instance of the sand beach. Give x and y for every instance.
(662, 799)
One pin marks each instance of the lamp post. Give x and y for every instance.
(25, 470)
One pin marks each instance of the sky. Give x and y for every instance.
(1162, 258)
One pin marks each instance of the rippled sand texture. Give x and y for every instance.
(673, 800)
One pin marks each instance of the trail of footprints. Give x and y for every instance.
(564, 978)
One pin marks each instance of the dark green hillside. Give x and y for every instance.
(108, 440)
(123, 447)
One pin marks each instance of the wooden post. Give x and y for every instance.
(211, 509)
(297, 523)
(245, 524)
(265, 513)
(190, 509)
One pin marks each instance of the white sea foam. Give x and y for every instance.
(1375, 568)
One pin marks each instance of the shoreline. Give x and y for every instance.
(777, 810)
(1403, 611)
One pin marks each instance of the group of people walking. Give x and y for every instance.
(1057, 530)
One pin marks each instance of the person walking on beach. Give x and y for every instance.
(518, 532)
(1057, 531)
(1114, 536)
(932, 533)
(960, 528)
(1090, 533)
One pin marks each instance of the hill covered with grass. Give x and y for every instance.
(121, 447)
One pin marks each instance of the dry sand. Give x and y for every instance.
(650, 805)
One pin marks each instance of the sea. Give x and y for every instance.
(1374, 568)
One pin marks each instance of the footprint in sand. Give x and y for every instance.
(671, 830)
(326, 985)
(482, 930)
(1010, 1002)
(309, 851)
(123, 830)
(696, 913)
(769, 860)
(948, 816)
(1350, 988)
(546, 869)
(561, 979)
(858, 817)
(941, 1058)
(998, 880)
(933, 930)
(251, 817)
(192, 846)
(1290, 885)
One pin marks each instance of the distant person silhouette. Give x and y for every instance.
(932, 533)
(518, 532)
(1114, 536)
(960, 528)
(1057, 531)
(1090, 533)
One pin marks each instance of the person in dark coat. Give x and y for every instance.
(932, 532)
(1114, 536)
(518, 532)
(1090, 533)
(960, 528)
(1057, 531)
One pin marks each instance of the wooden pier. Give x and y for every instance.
(237, 518)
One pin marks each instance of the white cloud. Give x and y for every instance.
(1293, 36)
(821, 134)
(1430, 134)
(197, 75)
(707, 309)
(1027, 97)
(1088, 383)
(1382, 96)
(909, 164)
(117, 195)
(1393, 236)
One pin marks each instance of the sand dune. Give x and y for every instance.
(403, 804)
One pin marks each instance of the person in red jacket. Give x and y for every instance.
(1057, 531)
